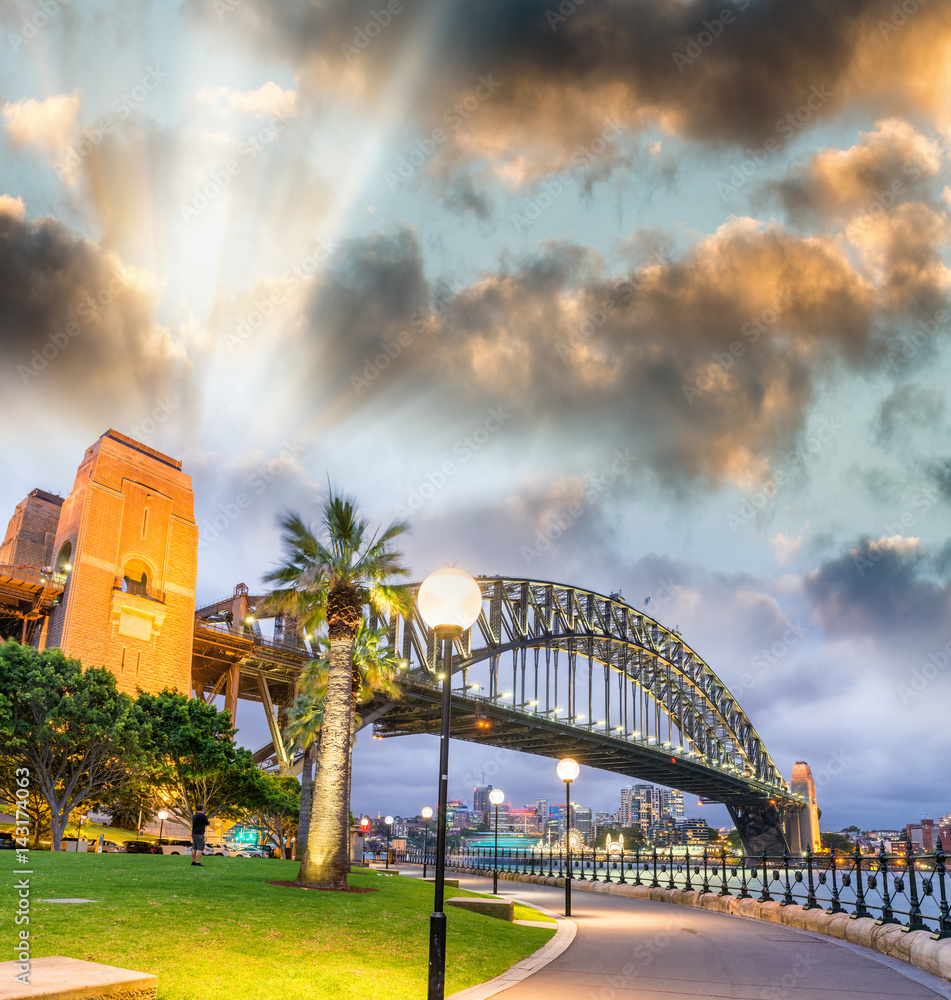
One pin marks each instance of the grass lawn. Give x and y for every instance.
(224, 931)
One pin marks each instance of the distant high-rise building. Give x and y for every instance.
(541, 811)
(645, 810)
(626, 812)
(672, 803)
(696, 831)
(581, 821)
(480, 802)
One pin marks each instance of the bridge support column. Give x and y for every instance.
(231, 691)
(283, 761)
(761, 828)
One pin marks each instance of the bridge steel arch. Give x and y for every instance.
(641, 677)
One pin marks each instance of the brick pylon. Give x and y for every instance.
(127, 543)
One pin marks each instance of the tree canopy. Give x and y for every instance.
(72, 729)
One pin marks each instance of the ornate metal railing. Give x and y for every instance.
(910, 890)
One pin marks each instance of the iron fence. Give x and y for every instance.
(909, 890)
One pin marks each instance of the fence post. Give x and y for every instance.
(940, 867)
(915, 923)
(764, 896)
(861, 910)
(724, 891)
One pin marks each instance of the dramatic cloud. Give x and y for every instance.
(890, 166)
(77, 324)
(48, 125)
(740, 72)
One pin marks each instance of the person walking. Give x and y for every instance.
(199, 824)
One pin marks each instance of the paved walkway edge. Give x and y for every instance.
(917, 948)
(564, 935)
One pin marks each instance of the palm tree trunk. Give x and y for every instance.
(306, 797)
(326, 859)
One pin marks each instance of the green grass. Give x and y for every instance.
(225, 931)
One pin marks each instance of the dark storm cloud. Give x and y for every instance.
(75, 321)
(704, 365)
(883, 589)
(907, 408)
(689, 67)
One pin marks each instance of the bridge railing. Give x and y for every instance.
(910, 890)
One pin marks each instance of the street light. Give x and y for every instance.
(389, 823)
(79, 831)
(163, 816)
(427, 815)
(496, 797)
(568, 770)
(449, 601)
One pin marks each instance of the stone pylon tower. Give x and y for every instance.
(802, 827)
(127, 543)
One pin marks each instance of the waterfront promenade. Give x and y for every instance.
(631, 949)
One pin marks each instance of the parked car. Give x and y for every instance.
(218, 849)
(256, 851)
(176, 846)
(142, 847)
(7, 843)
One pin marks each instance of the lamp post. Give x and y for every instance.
(163, 816)
(79, 830)
(568, 770)
(364, 827)
(496, 797)
(449, 601)
(427, 815)
(389, 824)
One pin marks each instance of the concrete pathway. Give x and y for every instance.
(630, 949)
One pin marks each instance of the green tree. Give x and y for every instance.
(277, 809)
(375, 670)
(836, 842)
(71, 729)
(328, 582)
(196, 759)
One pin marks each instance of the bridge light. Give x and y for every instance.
(600, 722)
(506, 694)
(532, 703)
(673, 760)
(472, 686)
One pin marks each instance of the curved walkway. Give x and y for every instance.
(631, 949)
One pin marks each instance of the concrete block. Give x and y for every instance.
(859, 931)
(793, 916)
(69, 977)
(816, 920)
(452, 882)
(944, 958)
(838, 925)
(773, 912)
(503, 909)
(926, 954)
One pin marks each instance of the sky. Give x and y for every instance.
(645, 296)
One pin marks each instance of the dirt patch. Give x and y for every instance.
(297, 885)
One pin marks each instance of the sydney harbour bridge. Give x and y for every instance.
(547, 669)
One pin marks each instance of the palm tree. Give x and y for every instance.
(375, 670)
(328, 582)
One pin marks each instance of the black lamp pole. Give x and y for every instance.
(568, 848)
(495, 860)
(425, 846)
(437, 922)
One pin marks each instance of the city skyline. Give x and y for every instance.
(620, 298)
